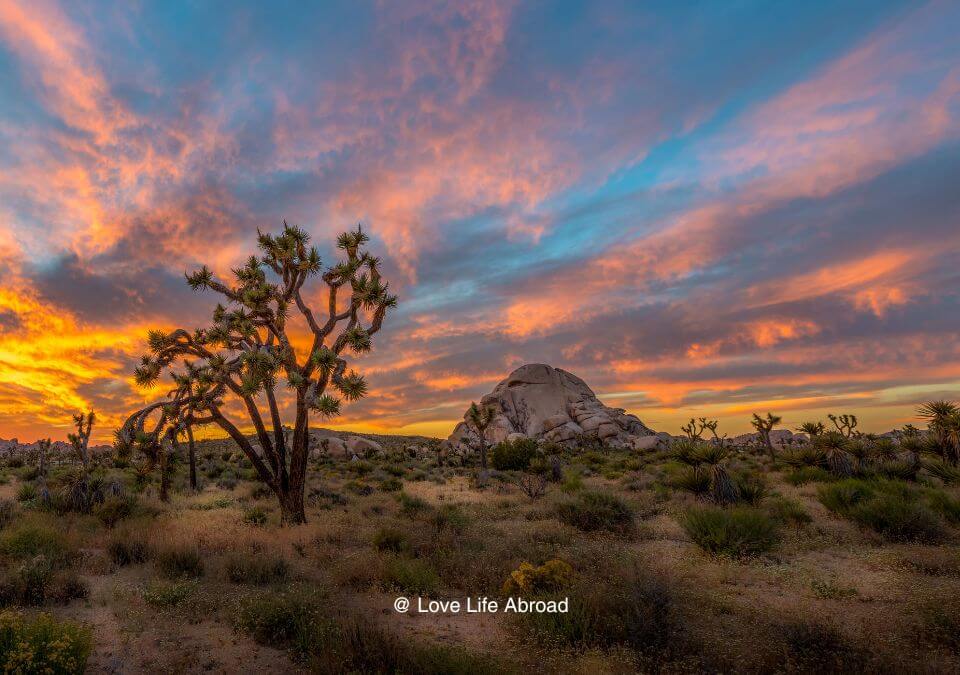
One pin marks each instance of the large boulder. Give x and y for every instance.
(548, 403)
(364, 447)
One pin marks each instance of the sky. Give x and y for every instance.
(699, 208)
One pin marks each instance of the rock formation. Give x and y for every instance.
(542, 402)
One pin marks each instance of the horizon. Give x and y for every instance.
(699, 212)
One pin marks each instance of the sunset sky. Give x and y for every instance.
(710, 210)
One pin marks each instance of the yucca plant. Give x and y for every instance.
(835, 447)
(945, 472)
(804, 455)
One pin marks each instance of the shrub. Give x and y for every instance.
(899, 519)
(411, 505)
(168, 593)
(736, 532)
(179, 563)
(114, 509)
(32, 579)
(635, 611)
(692, 479)
(788, 510)
(946, 506)
(945, 472)
(255, 515)
(8, 512)
(391, 484)
(286, 619)
(449, 517)
(572, 482)
(814, 647)
(553, 575)
(68, 586)
(257, 570)
(128, 550)
(941, 622)
(42, 645)
(29, 541)
(411, 575)
(887, 507)
(513, 455)
(593, 511)
(26, 492)
(751, 489)
(390, 539)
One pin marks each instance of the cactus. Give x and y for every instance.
(246, 355)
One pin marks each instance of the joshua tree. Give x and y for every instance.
(764, 425)
(836, 448)
(246, 351)
(845, 424)
(811, 429)
(81, 440)
(714, 479)
(43, 448)
(943, 421)
(480, 418)
(692, 430)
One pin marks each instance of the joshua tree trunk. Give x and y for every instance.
(483, 453)
(164, 474)
(192, 450)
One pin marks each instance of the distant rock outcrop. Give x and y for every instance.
(542, 402)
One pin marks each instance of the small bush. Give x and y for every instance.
(899, 519)
(128, 550)
(553, 575)
(67, 586)
(842, 496)
(410, 575)
(26, 492)
(636, 611)
(593, 511)
(946, 506)
(692, 479)
(42, 645)
(8, 512)
(255, 515)
(449, 517)
(734, 532)
(391, 484)
(168, 593)
(390, 539)
(287, 619)
(114, 509)
(813, 647)
(513, 455)
(751, 489)
(572, 482)
(32, 579)
(788, 510)
(941, 622)
(257, 570)
(411, 505)
(179, 563)
(29, 541)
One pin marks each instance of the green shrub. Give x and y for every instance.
(128, 550)
(114, 509)
(449, 517)
(285, 619)
(887, 507)
(28, 541)
(42, 645)
(179, 563)
(255, 515)
(8, 512)
(67, 586)
(593, 511)
(736, 532)
(390, 539)
(32, 579)
(411, 505)
(788, 510)
(946, 506)
(945, 472)
(809, 474)
(26, 492)
(513, 455)
(391, 484)
(410, 575)
(572, 482)
(168, 593)
(751, 489)
(899, 519)
(636, 611)
(692, 479)
(257, 569)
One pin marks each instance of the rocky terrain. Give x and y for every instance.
(542, 402)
